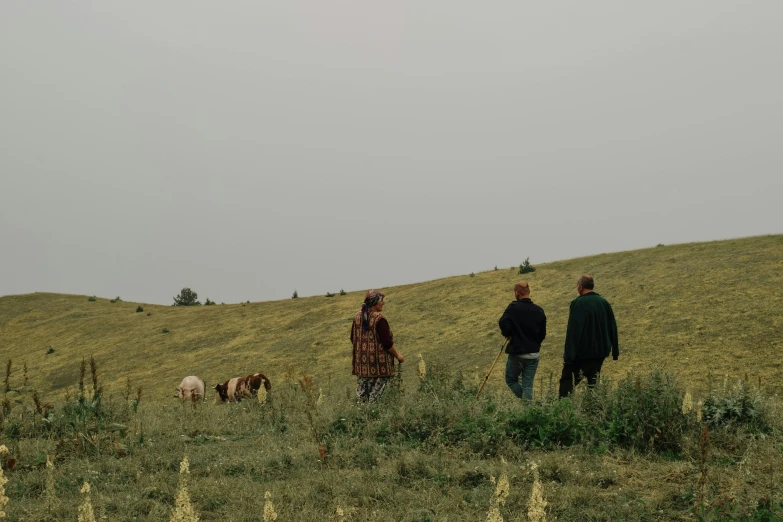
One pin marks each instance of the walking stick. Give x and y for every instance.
(492, 367)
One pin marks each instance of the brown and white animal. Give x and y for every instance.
(191, 387)
(234, 390)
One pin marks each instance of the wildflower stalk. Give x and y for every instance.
(85, 508)
(704, 456)
(269, 509)
(537, 505)
(3, 481)
(51, 494)
(687, 403)
(183, 509)
(501, 493)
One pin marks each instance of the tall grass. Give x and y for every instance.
(427, 450)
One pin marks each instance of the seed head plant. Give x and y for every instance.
(262, 394)
(85, 508)
(501, 493)
(3, 481)
(183, 508)
(421, 368)
(537, 505)
(51, 494)
(269, 508)
(687, 403)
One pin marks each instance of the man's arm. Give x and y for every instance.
(542, 331)
(573, 332)
(505, 323)
(613, 333)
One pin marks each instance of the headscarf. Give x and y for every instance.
(372, 298)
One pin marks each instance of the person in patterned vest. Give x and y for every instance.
(373, 348)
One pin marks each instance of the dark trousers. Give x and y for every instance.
(574, 372)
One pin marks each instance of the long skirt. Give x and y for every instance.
(368, 389)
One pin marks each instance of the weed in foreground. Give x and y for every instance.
(183, 508)
(499, 499)
(3, 482)
(536, 510)
(85, 508)
(269, 509)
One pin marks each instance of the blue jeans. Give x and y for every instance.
(516, 366)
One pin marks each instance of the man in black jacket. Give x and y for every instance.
(590, 338)
(524, 324)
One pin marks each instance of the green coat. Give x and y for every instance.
(592, 330)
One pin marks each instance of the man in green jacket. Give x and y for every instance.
(590, 338)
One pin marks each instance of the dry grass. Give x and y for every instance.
(695, 310)
(687, 309)
(239, 452)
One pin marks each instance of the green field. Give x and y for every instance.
(705, 315)
(688, 309)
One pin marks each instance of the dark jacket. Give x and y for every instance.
(525, 323)
(592, 330)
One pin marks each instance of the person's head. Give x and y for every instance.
(521, 290)
(585, 284)
(373, 300)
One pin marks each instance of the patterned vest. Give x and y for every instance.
(370, 359)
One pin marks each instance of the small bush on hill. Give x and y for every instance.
(342, 292)
(329, 294)
(92, 298)
(165, 330)
(139, 309)
(526, 267)
(209, 302)
(295, 295)
(186, 297)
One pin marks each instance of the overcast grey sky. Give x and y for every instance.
(249, 148)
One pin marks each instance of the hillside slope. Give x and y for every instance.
(690, 309)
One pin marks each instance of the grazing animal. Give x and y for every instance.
(234, 390)
(191, 387)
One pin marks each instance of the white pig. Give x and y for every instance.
(191, 387)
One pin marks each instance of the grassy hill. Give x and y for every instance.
(688, 309)
(429, 450)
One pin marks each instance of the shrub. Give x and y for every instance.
(50, 350)
(329, 294)
(186, 297)
(526, 267)
(342, 292)
(737, 407)
(644, 412)
(165, 330)
(208, 302)
(139, 309)
(547, 425)
(472, 274)
(296, 295)
(92, 298)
